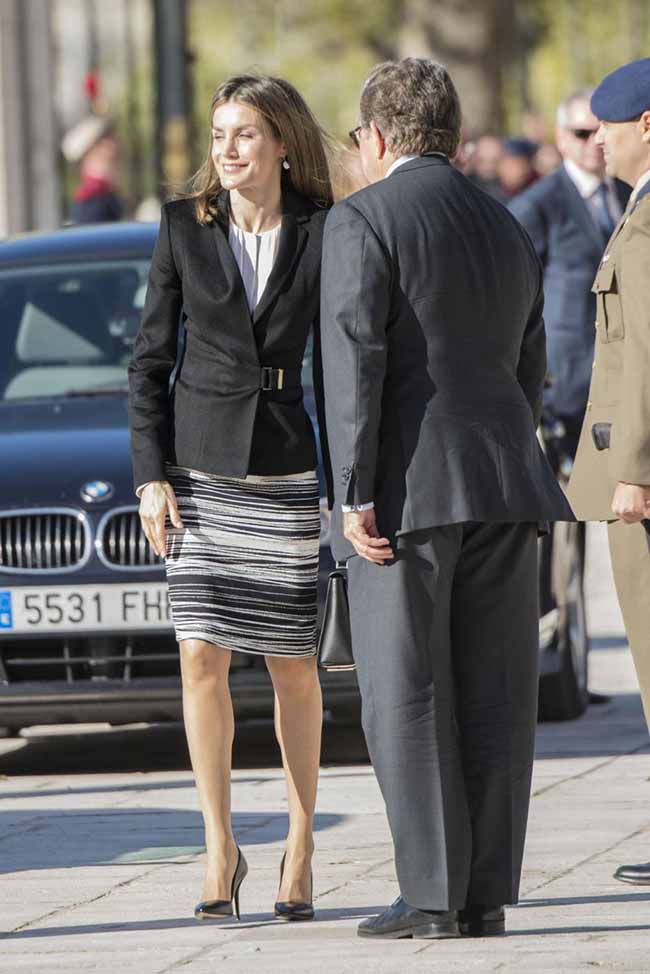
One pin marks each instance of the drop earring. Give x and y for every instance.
(285, 164)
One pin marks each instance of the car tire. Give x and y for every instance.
(564, 695)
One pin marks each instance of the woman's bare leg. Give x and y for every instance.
(210, 727)
(298, 723)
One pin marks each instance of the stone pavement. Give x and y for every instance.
(100, 871)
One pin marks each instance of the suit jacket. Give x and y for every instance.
(215, 417)
(433, 346)
(570, 245)
(620, 390)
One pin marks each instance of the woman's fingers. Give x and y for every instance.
(172, 507)
(157, 502)
(154, 528)
(159, 533)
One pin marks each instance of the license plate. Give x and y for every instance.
(84, 608)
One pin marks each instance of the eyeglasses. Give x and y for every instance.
(583, 134)
(355, 136)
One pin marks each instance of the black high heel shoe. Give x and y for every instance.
(218, 909)
(287, 910)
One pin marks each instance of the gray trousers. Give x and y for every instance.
(446, 645)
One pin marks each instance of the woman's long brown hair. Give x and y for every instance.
(285, 111)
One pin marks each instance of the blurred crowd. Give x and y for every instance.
(505, 167)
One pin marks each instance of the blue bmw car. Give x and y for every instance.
(85, 630)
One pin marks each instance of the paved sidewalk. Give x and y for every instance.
(100, 872)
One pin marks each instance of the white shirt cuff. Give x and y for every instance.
(354, 508)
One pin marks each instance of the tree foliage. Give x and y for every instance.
(506, 56)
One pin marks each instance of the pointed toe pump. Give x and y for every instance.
(289, 910)
(218, 909)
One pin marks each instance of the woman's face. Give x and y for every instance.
(244, 150)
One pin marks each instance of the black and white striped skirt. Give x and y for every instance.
(243, 570)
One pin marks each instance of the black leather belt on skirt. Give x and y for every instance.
(279, 380)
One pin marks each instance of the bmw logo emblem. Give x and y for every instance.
(96, 490)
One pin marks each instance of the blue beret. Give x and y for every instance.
(624, 94)
(519, 147)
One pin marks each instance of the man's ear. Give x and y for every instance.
(380, 142)
(644, 125)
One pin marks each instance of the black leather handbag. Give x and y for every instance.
(335, 643)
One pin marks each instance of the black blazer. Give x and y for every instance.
(433, 350)
(216, 417)
(570, 246)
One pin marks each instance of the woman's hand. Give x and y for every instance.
(157, 502)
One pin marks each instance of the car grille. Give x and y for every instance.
(123, 543)
(43, 540)
(92, 658)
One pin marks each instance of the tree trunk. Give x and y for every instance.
(475, 42)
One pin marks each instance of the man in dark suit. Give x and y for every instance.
(570, 216)
(434, 360)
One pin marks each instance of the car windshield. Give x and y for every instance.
(69, 329)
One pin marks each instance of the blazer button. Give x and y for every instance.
(593, 366)
(589, 405)
(596, 323)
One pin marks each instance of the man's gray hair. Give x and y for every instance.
(415, 105)
(564, 108)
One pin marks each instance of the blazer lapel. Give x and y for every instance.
(227, 276)
(292, 238)
(581, 211)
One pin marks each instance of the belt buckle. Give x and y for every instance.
(267, 379)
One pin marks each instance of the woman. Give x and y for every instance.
(228, 456)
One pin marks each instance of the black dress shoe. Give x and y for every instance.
(638, 875)
(598, 698)
(288, 910)
(482, 921)
(401, 920)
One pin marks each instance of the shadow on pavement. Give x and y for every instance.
(250, 921)
(54, 839)
(574, 900)
(608, 642)
(554, 931)
(266, 921)
(605, 730)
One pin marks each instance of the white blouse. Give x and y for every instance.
(255, 254)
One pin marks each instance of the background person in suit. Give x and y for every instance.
(434, 361)
(229, 455)
(611, 476)
(570, 216)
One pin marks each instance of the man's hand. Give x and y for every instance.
(157, 501)
(360, 527)
(631, 502)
